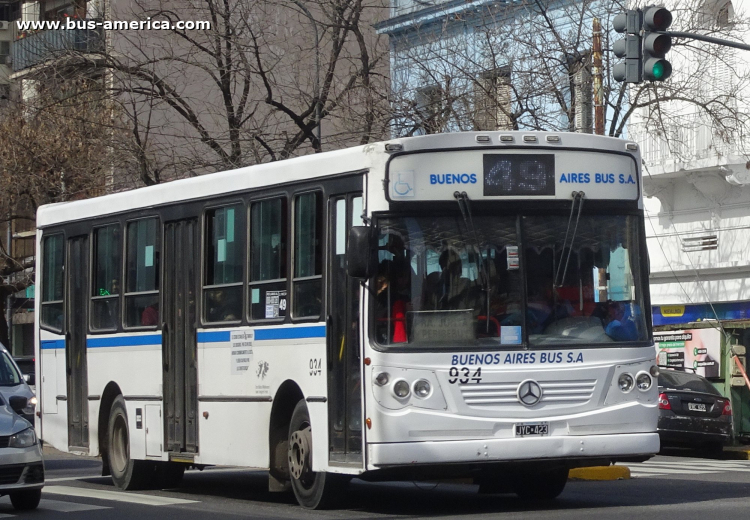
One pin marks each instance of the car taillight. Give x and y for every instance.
(664, 402)
(727, 408)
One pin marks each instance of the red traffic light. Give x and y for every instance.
(656, 19)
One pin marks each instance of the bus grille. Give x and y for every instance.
(557, 392)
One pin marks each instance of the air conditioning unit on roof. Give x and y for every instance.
(4, 26)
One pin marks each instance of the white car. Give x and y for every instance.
(21, 463)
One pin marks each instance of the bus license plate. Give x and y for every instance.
(527, 429)
(696, 407)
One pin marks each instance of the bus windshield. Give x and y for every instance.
(443, 282)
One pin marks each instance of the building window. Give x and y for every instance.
(53, 281)
(142, 274)
(268, 298)
(492, 100)
(307, 288)
(105, 309)
(725, 14)
(224, 260)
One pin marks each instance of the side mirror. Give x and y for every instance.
(18, 403)
(26, 378)
(361, 255)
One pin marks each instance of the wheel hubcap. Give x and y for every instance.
(300, 455)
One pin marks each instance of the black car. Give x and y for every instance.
(692, 413)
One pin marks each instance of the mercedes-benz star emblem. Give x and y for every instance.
(529, 392)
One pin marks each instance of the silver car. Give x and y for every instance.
(21, 463)
(13, 383)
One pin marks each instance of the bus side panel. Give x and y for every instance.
(239, 379)
(137, 371)
(51, 384)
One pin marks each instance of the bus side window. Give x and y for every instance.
(268, 270)
(224, 260)
(105, 295)
(307, 290)
(142, 274)
(53, 282)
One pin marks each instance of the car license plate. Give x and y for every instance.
(696, 407)
(527, 429)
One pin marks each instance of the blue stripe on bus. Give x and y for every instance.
(318, 331)
(52, 344)
(124, 341)
(214, 337)
(266, 334)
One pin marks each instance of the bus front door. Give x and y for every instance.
(75, 343)
(342, 320)
(179, 352)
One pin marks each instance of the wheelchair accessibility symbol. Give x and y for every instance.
(403, 184)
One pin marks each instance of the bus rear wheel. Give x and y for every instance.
(540, 485)
(127, 473)
(313, 490)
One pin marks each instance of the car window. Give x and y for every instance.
(9, 376)
(686, 381)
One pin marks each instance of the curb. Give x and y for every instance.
(600, 473)
(736, 454)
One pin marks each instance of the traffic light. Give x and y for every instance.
(629, 47)
(655, 45)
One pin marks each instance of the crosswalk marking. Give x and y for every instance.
(117, 496)
(660, 468)
(67, 507)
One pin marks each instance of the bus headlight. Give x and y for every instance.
(654, 371)
(401, 389)
(422, 388)
(625, 382)
(643, 381)
(382, 379)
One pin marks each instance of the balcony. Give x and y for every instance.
(36, 48)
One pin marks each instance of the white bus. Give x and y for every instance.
(458, 305)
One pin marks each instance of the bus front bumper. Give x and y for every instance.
(516, 449)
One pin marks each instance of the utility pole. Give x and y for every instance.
(597, 73)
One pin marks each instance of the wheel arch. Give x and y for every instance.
(111, 391)
(286, 398)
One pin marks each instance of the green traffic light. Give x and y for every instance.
(658, 70)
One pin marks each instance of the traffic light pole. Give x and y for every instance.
(709, 39)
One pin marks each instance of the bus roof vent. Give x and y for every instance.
(529, 139)
(506, 138)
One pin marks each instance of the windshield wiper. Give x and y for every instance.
(577, 196)
(10, 384)
(463, 204)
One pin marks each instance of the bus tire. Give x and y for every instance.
(313, 490)
(127, 473)
(540, 485)
(26, 500)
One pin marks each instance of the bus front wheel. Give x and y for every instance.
(313, 490)
(126, 473)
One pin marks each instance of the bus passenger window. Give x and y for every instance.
(142, 274)
(268, 298)
(53, 282)
(105, 309)
(308, 255)
(225, 246)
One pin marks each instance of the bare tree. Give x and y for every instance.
(55, 147)
(267, 81)
(527, 65)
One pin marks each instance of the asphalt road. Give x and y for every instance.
(666, 487)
